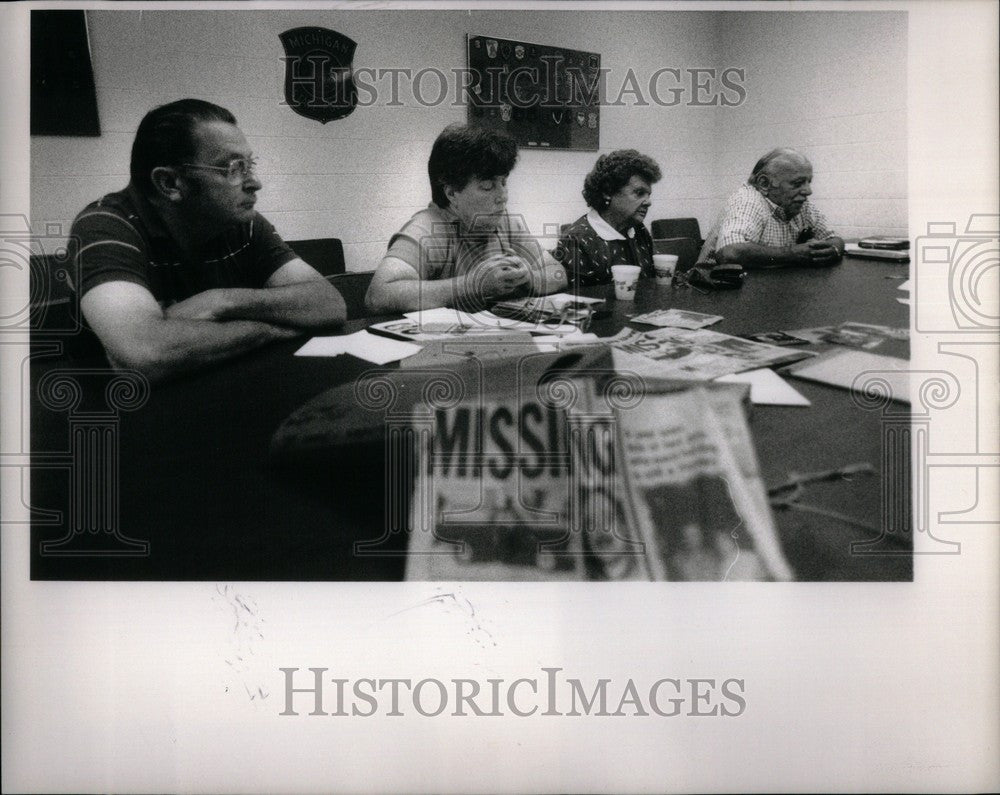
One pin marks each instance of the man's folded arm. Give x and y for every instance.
(757, 255)
(295, 295)
(137, 334)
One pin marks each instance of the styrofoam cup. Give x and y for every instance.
(665, 265)
(625, 277)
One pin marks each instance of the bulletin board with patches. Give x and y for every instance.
(545, 97)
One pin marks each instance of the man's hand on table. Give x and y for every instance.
(816, 252)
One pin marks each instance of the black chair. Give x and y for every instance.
(684, 248)
(325, 254)
(667, 228)
(352, 287)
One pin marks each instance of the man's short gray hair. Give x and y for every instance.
(763, 165)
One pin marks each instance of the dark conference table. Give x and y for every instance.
(199, 497)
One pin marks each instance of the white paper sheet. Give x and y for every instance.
(767, 388)
(370, 347)
(441, 314)
(856, 370)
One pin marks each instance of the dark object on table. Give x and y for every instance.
(883, 254)
(720, 277)
(775, 338)
(885, 243)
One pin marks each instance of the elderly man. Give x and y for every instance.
(178, 270)
(769, 222)
(464, 249)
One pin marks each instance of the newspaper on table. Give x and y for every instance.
(447, 318)
(695, 492)
(865, 336)
(694, 354)
(676, 318)
(562, 469)
(490, 498)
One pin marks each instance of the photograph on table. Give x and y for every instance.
(236, 207)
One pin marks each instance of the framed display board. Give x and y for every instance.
(546, 97)
(63, 96)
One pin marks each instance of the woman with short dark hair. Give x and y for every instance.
(464, 249)
(618, 191)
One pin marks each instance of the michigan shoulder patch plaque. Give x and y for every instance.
(319, 77)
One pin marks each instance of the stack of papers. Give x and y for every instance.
(551, 309)
(854, 250)
(486, 320)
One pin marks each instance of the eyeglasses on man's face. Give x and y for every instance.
(236, 172)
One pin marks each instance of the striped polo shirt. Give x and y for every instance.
(121, 237)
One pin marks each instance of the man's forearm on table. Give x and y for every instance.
(170, 346)
(757, 255)
(309, 304)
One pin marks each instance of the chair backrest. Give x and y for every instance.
(665, 228)
(352, 287)
(684, 248)
(325, 254)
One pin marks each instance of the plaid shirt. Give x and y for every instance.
(750, 217)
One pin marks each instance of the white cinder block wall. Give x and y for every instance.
(832, 84)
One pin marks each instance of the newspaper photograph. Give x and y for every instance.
(694, 354)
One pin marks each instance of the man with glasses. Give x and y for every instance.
(178, 270)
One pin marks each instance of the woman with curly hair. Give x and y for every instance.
(617, 191)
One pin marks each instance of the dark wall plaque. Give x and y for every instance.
(63, 97)
(546, 97)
